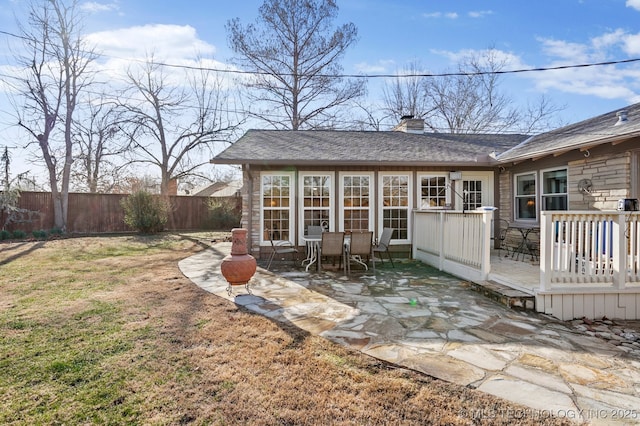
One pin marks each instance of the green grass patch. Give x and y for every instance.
(66, 359)
(67, 355)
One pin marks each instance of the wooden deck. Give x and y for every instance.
(521, 274)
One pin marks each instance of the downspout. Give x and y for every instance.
(249, 208)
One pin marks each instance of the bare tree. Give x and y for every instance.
(172, 122)
(294, 54)
(468, 100)
(405, 94)
(55, 60)
(99, 143)
(540, 116)
(471, 101)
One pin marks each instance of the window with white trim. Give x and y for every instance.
(396, 203)
(357, 201)
(434, 193)
(554, 189)
(277, 206)
(316, 197)
(525, 197)
(472, 192)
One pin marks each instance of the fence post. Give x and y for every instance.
(485, 241)
(619, 253)
(546, 250)
(441, 242)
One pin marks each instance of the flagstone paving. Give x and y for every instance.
(417, 317)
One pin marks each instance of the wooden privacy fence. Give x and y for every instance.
(102, 213)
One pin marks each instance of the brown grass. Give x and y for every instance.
(173, 354)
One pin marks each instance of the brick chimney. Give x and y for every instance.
(173, 187)
(408, 124)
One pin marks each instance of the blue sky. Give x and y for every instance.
(528, 34)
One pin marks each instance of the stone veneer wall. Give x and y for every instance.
(505, 204)
(610, 175)
(254, 232)
(611, 178)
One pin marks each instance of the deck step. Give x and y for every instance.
(508, 296)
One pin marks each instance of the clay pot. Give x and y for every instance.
(238, 267)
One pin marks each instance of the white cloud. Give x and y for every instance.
(509, 60)
(632, 44)
(164, 41)
(634, 4)
(382, 66)
(129, 48)
(606, 82)
(480, 13)
(608, 39)
(448, 15)
(95, 7)
(565, 51)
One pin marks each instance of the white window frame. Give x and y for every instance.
(302, 208)
(381, 208)
(447, 189)
(372, 198)
(543, 195)
(291, 208)
(535, 197)
(488, 196)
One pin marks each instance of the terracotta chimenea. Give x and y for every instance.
(239, 266)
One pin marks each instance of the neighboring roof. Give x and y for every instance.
(585, 134)
(220, 189)
(333, 147)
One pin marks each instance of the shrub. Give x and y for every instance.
(5, 235)
(145, 213)
(55, 231)
(39, 234)
(223, 214)
(19, 234)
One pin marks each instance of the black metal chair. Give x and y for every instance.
(281, 248)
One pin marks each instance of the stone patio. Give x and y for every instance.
(417, 317)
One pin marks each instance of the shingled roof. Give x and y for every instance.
(333, 147)
(327, 147)
(604, 128)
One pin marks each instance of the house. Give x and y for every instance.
(358, 180)
(220, 189)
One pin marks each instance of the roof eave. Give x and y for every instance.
(327, 163)
(556, 152)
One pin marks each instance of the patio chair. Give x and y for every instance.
(332, 246)
(502, 236)
(382, 245)
(361, 249)
(281, 248)
(314, 231)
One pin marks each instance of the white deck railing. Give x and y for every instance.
(454, 241)
(590, 249)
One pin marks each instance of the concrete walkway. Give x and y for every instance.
(415, 316)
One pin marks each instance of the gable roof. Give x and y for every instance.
(332, 147)
(220, 189)
(582, 135)
(394, 148)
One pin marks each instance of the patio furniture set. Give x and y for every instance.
(344, 247)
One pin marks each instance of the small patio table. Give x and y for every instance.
(313, 251)
(524, 242)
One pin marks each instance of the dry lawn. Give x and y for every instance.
(107, 330)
